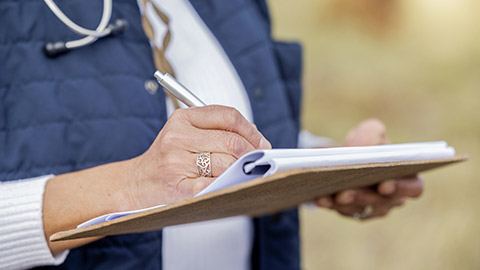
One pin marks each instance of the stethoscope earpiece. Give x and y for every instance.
(118, 26)
(53, 49)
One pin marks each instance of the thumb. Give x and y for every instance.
(369, 132)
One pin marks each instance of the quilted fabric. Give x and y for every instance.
(90, 107)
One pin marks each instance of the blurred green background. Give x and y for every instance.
(414, 64)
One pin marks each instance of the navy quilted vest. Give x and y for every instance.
(89, 107)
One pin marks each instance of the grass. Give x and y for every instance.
(416, 66)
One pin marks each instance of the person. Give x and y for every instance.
(87, 133)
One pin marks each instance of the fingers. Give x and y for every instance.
(194, 140)
(219, 141)
(220, 162)
(170, 162)
(193, 184)
(224, 118)
(408, 187)
(345, 197)
(388, 195)
(380, 205)
(325, 202)
(387, 188)
(354, 202)
(188, 187)
(367, 196)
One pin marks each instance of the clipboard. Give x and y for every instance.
(260, 196)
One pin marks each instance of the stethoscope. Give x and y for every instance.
(103, 29)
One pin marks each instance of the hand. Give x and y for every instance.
(167, 171)
(380, 199)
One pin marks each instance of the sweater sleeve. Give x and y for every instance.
(22, 240)
(309, 140)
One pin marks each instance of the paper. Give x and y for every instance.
(263, 163)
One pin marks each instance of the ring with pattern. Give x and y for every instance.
(204, 165)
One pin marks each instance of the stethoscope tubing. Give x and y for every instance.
(104, 28)
(100, 31)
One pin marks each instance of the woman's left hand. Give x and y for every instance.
(366, 203)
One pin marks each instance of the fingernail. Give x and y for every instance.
(264, 144)
(387, 188)
(347, 197)
(325, 202)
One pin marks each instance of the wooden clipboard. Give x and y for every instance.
(259, 196)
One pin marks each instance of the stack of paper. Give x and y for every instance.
(264, 163)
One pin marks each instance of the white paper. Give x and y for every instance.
(273, 161)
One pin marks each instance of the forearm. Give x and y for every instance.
(73, 198)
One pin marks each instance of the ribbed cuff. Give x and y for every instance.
(22, 239)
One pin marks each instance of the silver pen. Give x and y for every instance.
(178, 90)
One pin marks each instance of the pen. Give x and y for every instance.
(178, 90)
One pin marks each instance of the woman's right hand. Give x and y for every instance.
(167, 171)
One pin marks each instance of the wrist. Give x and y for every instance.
(117, 186)
(122, 191)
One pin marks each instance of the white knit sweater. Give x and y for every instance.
(22, 240)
